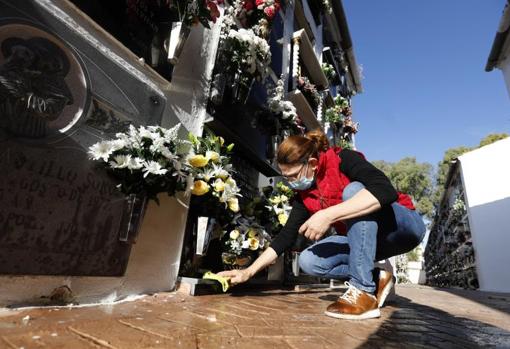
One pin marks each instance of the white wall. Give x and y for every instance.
(486, 180)
(505, 69)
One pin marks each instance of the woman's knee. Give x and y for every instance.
(351, 189)
(307, 262)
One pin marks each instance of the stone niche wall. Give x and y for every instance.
(449, 256)
(60, 216)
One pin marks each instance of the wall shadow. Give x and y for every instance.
(414, 325)
(495, 300)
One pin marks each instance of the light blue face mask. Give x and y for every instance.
(302, 183)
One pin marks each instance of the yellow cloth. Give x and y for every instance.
(222, 280)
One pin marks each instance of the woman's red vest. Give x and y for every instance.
(329, 186)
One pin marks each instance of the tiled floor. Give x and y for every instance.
(419, 317)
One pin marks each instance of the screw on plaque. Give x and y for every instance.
(154, 100)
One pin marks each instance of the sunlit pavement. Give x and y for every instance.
(418, 317)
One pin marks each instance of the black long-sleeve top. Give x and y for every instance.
(356, 168)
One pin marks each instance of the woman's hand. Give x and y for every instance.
(316, 226)
(236, 276)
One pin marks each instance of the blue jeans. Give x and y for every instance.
(388, 232)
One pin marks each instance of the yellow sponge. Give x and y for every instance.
(222, 280)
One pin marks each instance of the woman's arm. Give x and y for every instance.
(378, 192)
(284, 240)
(243, 275)
(362, 203)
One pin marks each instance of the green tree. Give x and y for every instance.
(442, 171)
(413, 178)
(492, 138)
(450, 155)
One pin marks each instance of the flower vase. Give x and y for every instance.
(132, 218)
(241, 89)
(178, 35)
(218, 88)
(274, 142)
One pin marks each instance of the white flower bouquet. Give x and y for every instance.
(285, 110)
(145, 160)
(209, 164)
(248, 55)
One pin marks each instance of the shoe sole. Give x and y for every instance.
(385, 292)
(371, 314)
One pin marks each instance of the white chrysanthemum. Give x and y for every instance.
(120, 161)
(101, 150)
(171, 134)
(158, 145)
(135, 164)
(154, 168)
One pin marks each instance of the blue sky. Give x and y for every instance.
(425, 87)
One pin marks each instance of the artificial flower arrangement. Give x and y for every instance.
(248, 55)
(285, 110)
(145, 160)
(279, 204)
(197, 11)
(350, 126)
(271, 208)
(256, 14)
(310, 92)
(337, 113)
(151, 160)
(326, 6)
(329, 71)
(243, 242)
(209, 165)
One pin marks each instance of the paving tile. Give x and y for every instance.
(61, 339)
(232, 342)
(420, 317)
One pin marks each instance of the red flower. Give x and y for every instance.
(213, 9)
(259, 2)
(248, 5)
(270, 12)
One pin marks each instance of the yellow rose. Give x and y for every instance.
(253, 243)
(219, 185)
(234, 234)
(282, 218)
(198, 161)
(233, 204)
(283, 187)
(252, 233)
(214, 156)
(200, 188)
(275, 200)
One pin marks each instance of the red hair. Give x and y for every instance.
(297, 149)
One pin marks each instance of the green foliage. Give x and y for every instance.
(494, 137)
(450, 155)
(413, 178)
(414, 255)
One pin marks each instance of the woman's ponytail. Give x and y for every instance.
(319, 139)
(296, 149)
